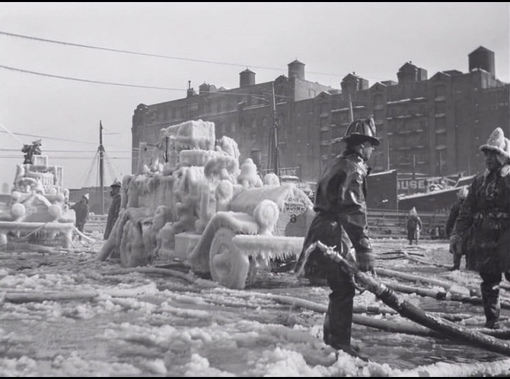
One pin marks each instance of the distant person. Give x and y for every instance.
(413, 226)
(434, 233)
(484, 220)
(113, 212)
(460, 249)
(81, 208)
(31, 150)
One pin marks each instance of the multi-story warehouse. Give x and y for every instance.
(427, 126)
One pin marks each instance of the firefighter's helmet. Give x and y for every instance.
(497, 143)
(116, 183)
(360, 131)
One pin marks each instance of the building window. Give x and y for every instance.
(378, 99)
(440, 123)
(440, 108)
(378, 114)
(440, 162)
(440, 92)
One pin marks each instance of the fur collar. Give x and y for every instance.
(502, 172)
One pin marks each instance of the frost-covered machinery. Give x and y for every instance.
(37, 211)
(192, 200)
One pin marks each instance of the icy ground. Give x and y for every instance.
(150, 324)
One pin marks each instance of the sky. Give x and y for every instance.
(165, 45)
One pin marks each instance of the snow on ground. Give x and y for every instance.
(138, 324)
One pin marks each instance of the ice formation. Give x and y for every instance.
(192, 199)
(37, 211)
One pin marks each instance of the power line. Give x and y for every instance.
(50, 138)
(72, 151)
(53, 138)
(87, 80)
(63, 157)
(123, 84)
(222, 92)
(147, 54)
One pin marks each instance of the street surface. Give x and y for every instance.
(122, 322)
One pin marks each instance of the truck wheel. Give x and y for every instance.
(132, 249)
(228, 265)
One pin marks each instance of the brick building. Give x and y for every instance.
(427, 126)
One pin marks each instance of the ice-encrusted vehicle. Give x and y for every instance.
(192, 200)
(37, 212)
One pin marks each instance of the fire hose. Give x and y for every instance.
(408, 310)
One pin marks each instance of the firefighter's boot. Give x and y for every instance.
(491, 305)
(456, 261)
(338, 323)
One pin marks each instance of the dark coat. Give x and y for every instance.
(413, 227)
(449, 228)
(81, 208)
(341, 213)
(484, 221)
(452, 217)
(113, 215)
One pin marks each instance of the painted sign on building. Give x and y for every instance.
(407, 186)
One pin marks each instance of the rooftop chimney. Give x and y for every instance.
(190, 92)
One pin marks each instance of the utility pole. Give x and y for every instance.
(414, 167)
(101, 165)
(350, 109)
(275, 134)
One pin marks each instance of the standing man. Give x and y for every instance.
(413, 226)
(341, 221)
(81, 208)
(485, 223)
(457, 250)
(113, 212)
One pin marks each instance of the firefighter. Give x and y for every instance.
(81, 208)
(484, 221)
(458, 250)
(113, 211)
(413, 226)
(341, 221)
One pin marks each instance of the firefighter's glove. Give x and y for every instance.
(455, 239)
(365, 256)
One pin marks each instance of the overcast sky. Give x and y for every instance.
(203, 42)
